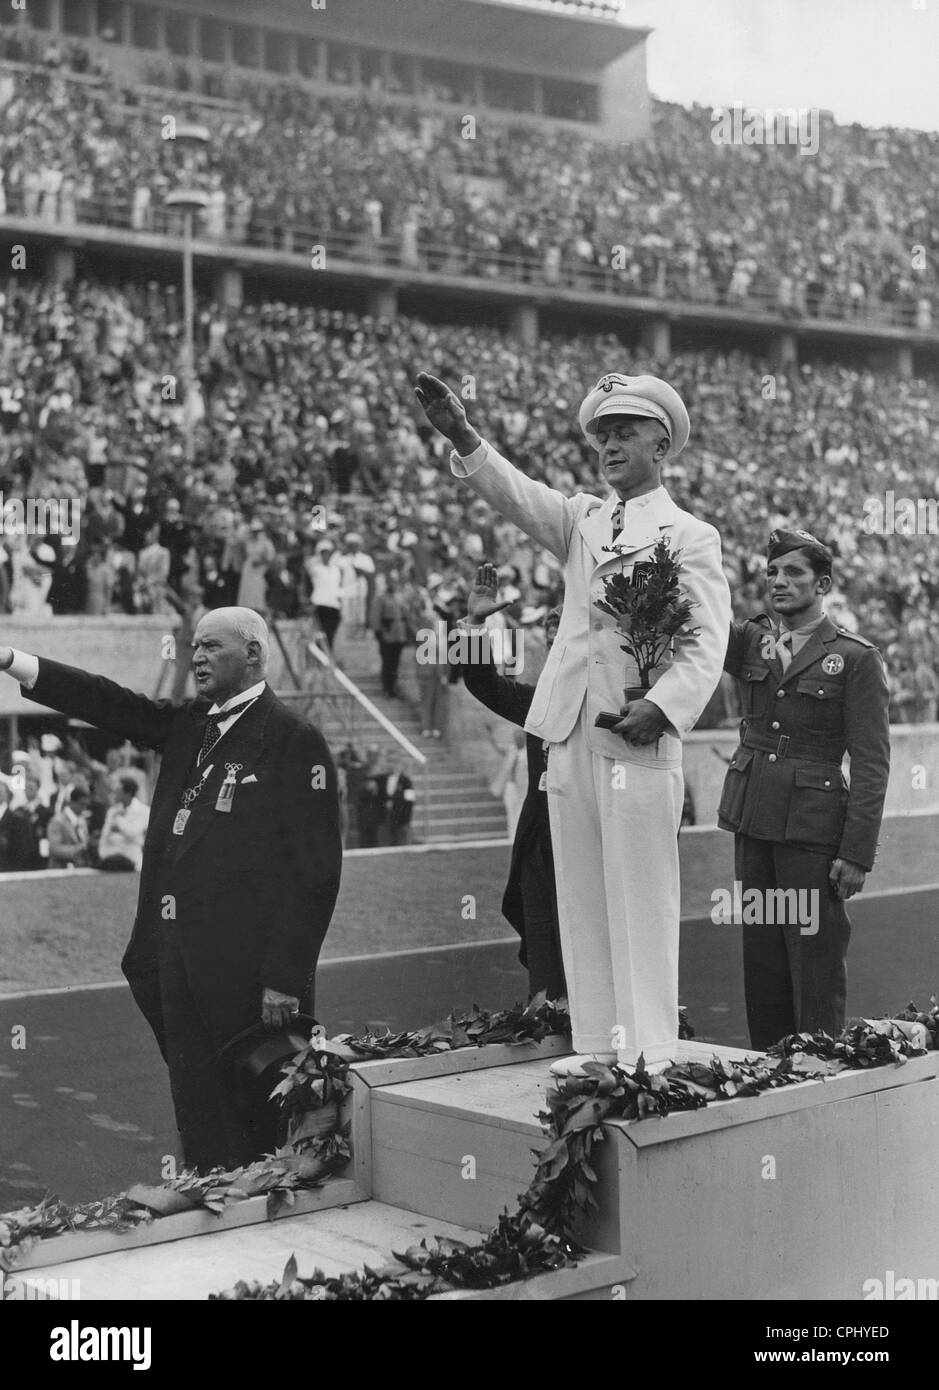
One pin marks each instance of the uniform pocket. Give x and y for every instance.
(730, 810)
(816, 807)
(823, 702)
(754, 689)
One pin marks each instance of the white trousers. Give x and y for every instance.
(614, 829)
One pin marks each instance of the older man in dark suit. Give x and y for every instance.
(240, 870)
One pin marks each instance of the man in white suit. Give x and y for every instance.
(615, 796)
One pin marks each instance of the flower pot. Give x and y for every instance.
(635, 692)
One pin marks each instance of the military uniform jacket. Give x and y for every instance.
(785, 781)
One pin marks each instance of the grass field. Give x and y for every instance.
(73, 930)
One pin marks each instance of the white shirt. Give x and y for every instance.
(237, 704)
(124, 830)
(327, 583)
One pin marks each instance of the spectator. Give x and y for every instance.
(28, 844)
(400, 798)
(100, 580)
(432, 675)
(358, 571)
(325, 574)
(353, 769)
(371, 805)
(390, 623)
(68, 832)
(120, 848)
(6, 817)
(176, 535)
(153, 573)
(258, 554)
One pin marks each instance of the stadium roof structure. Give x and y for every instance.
(549, 35)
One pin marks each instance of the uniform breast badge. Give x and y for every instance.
(833, 665)
(226, 792)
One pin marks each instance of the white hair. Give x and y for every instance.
(246, 624)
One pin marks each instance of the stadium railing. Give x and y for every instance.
(265, 232)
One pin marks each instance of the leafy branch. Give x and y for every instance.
(653, 617)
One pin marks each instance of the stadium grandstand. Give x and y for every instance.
(366, 212)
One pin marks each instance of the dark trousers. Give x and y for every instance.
(542, 936)
(371, 822)
(390, 660)
(216, 1127)
(328, 619)
(117, 864)
(794, 981)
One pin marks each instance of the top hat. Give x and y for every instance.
(251, 1062)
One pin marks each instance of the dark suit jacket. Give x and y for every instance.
(512, 700)
(6, 862)
(260, 880)
(26, 828)
(400, 809)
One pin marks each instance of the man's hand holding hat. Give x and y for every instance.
(445, 412)
(277, 1009)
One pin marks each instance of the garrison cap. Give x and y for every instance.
(649, 396)
(782, 541)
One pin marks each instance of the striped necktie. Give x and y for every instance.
(617, 521)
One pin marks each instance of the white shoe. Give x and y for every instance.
(657, 1063)
(574, 1065)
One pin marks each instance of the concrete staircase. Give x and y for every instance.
(453, 800)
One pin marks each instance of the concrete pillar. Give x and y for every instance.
(228, 286)
(383, 302)
(60, 265)
(783, 350)
(656, 339)
(893, 359)
(904, 361)
(523, 323)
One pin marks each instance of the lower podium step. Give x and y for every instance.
(337, 1241)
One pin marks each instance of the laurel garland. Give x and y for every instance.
(536, 1237)
(315, 1078)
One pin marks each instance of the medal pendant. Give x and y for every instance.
(179, 824)
(227, 790)
(543, 782)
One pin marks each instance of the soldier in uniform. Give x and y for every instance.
(810, 691)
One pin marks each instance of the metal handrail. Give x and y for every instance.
(350, 687)
(263, 232)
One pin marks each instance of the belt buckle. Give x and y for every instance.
(782, 746)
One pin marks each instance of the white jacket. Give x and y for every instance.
(587, 657)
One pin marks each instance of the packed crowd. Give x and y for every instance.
(317, 485)
(60, 808)
(844, 231)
